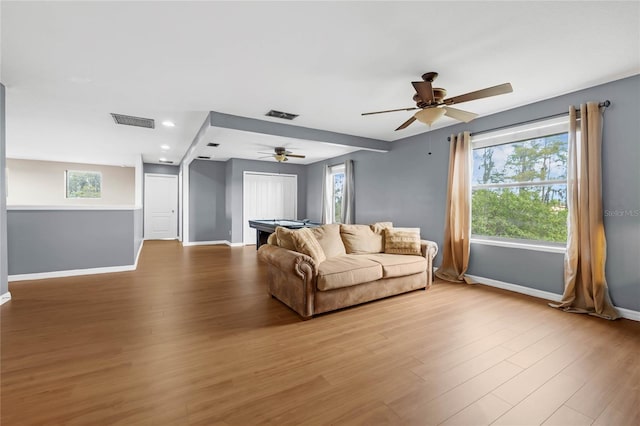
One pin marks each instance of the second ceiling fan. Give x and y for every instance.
(432, 105)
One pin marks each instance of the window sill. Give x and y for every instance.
(523, 246)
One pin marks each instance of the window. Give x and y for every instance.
(519, 183)
(336, 184)
(83, 184)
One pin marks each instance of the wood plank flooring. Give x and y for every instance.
(192, 338)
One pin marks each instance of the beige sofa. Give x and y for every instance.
(317, 270)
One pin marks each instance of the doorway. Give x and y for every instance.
(160, 206)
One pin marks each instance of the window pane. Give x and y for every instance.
(338, 184)
(526, 161)
(530, 212)
(83, 184)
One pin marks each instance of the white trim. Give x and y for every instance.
(212, 243)
(5, 298)
(624, 313)
(71, 273)
(522, 246)
(135, 265)
(74, 207)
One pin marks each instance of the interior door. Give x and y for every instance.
(268, 196)
(160, 206)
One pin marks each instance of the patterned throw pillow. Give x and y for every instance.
(306, 243)
(402, 241)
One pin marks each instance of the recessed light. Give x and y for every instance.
(165, 147)
(168, 123)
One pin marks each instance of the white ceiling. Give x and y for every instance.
(67, 65)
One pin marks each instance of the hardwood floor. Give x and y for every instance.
(192, 337)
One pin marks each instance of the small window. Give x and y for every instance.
(519, 184)
(337, 189)
(83, 184)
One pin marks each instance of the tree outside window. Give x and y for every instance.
(83, 184)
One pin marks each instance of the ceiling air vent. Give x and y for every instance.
(129, 120)
(280, 114)
(166, 161)
(203, 157)
(213, 144)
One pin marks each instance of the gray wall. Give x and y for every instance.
(234, 180)
(408, 186)
(138, 230)
(164, 169)
(207, 216)
(60, 240)
(4, 285)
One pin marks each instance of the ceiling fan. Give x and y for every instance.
(281, 154)
(432, 105)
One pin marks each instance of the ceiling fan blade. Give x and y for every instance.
(425, 91)
(406, 123)
(390, 110)
(459, 114)
(296, 156)
(500, 89)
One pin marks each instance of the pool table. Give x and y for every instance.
(266, 227)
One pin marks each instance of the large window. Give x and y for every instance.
(83, 184)
(519, 187)
(336, 181)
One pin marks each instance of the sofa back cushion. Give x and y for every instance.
(284, 237)
(273, 239)
(402, 241)
(306, 243)
(329, 238)
(379, 228)
(360, 239)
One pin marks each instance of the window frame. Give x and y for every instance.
(66, 184)
(510, 135)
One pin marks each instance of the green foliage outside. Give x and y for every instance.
(531, 211)
(83, 184)
(338, 188)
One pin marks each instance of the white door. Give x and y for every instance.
(160, 206)
(268, 196)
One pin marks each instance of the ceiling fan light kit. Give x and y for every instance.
(432, 105)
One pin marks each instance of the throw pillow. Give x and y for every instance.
(402, 241)
(284, 236)
(329, 238)
(379, 228)
(307, 244)
(360, 239)
(273, 239)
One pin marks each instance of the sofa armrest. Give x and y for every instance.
(429, 249)
(286, 260)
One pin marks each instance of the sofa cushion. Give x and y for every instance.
(305, 242)
(379, 228)
(329, 238)
(273, 239)
(346, 271)
(398, 265)
(360, 239)
(284, 236)
(402, 241)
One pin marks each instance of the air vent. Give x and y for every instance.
(280, 114)
(129, 120)
(213, 144)
(203, 157)
(166, 161)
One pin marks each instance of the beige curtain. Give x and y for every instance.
(457, 230)
(585, 286)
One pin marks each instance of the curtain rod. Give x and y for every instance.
(604, 104)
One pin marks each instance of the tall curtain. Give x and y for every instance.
(457, 230)
(348, 194)
(326, 195)
(585, 285)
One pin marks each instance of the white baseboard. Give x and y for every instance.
(212, 243)
(71, 273)
(135, 265)
(554, 297)
(5, 298)
(230, 244)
